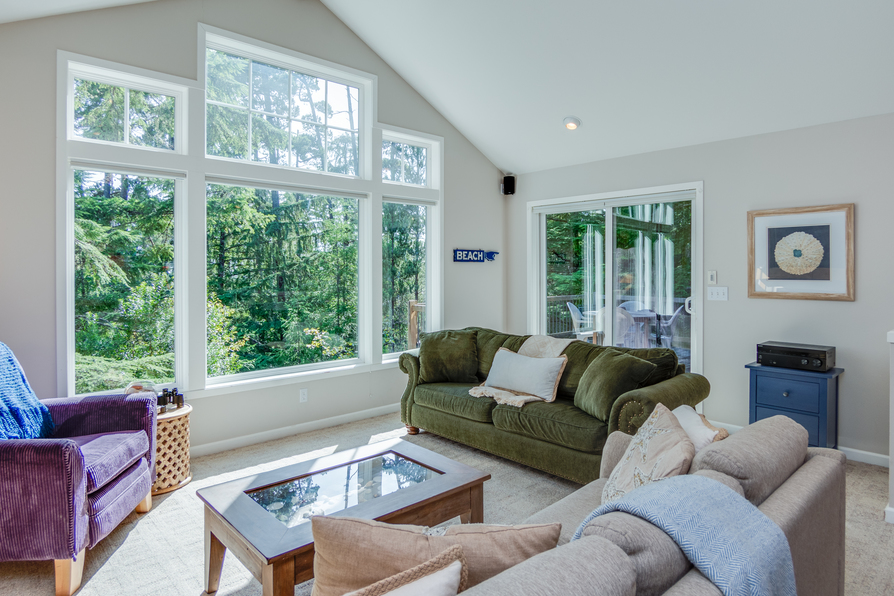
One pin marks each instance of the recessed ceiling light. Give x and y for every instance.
(572, 122)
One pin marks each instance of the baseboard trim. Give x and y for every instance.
(279, 433)
(866, 457)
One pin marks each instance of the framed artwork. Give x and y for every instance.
(804, 253)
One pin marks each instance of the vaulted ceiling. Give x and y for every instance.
(642, 76)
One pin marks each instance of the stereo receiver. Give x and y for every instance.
(799, 356)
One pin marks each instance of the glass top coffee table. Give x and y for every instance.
(264, 519)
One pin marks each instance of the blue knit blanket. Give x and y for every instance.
(22, 415)
(725, 537)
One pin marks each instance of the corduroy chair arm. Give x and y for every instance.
(95, 414)
(43, 492)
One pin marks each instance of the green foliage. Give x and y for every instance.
(403, 271)
(96, 373)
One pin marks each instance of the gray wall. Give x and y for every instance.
(162, 36)
(845, 162)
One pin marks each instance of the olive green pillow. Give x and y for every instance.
(448, 357)
(611, 374)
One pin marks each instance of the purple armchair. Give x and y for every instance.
(63, 494)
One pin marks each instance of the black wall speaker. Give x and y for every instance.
(508, 185)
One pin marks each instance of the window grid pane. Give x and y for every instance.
(282, 279)
(296, 119)
(403, 162)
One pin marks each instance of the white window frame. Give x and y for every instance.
(433, 155)
(192, 169)
(535, 210)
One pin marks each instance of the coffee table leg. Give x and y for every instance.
(214, 558)
(476, 496)
(278, 579)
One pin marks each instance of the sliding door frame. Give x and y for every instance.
(536, 210)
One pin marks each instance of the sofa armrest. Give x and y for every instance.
(43, 493)
(810, 509)
(408, 363)
(591, 565)
(613, 451)
(632, 409)
(95, 414)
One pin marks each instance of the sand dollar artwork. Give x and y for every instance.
(799, 253)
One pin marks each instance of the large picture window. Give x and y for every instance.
(124, 280)
(282, 279)
(193, 263)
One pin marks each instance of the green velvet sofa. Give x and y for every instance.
(556, 437)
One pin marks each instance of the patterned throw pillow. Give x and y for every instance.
(659, 449)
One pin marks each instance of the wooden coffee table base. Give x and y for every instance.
(279, 575)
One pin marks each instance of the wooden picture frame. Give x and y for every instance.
(802, 253)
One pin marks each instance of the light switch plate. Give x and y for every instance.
(712, 278)
(718, 293)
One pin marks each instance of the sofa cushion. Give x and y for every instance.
(761, 456)
(448, 356)
(454, 398)
(352, 553)
(443, 575)
(488, 342)
(109, 505)
(559, 422)
(659, 449)
(532, 376)
(610, 375)
(581, 354)
(658, 561)
(108, 454)
(570, 510)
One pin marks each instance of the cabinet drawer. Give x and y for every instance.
(786, 393)
(811, 423)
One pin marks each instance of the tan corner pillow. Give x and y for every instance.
(445, 575)
(353, 553)
(659, 449)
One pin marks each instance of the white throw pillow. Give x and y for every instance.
(534, 376)
(700, 435)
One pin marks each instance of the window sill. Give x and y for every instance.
(287, 379)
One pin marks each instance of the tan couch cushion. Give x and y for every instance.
(354, 553)
(761, 456)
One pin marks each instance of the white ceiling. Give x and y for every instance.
(642, 75)
(19, 10)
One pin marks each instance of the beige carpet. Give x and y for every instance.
(161, 553)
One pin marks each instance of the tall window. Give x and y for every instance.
(277, 115)
(403, 275)
(124, 280)
(282, 279)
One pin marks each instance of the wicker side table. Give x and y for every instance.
(172, 451)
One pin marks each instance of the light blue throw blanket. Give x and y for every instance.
(22, 415)
(725, 537)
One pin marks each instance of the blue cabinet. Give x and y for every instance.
(809, 398)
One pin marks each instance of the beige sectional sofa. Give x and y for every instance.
(801, 489)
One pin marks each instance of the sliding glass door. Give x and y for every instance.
(619, 272)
